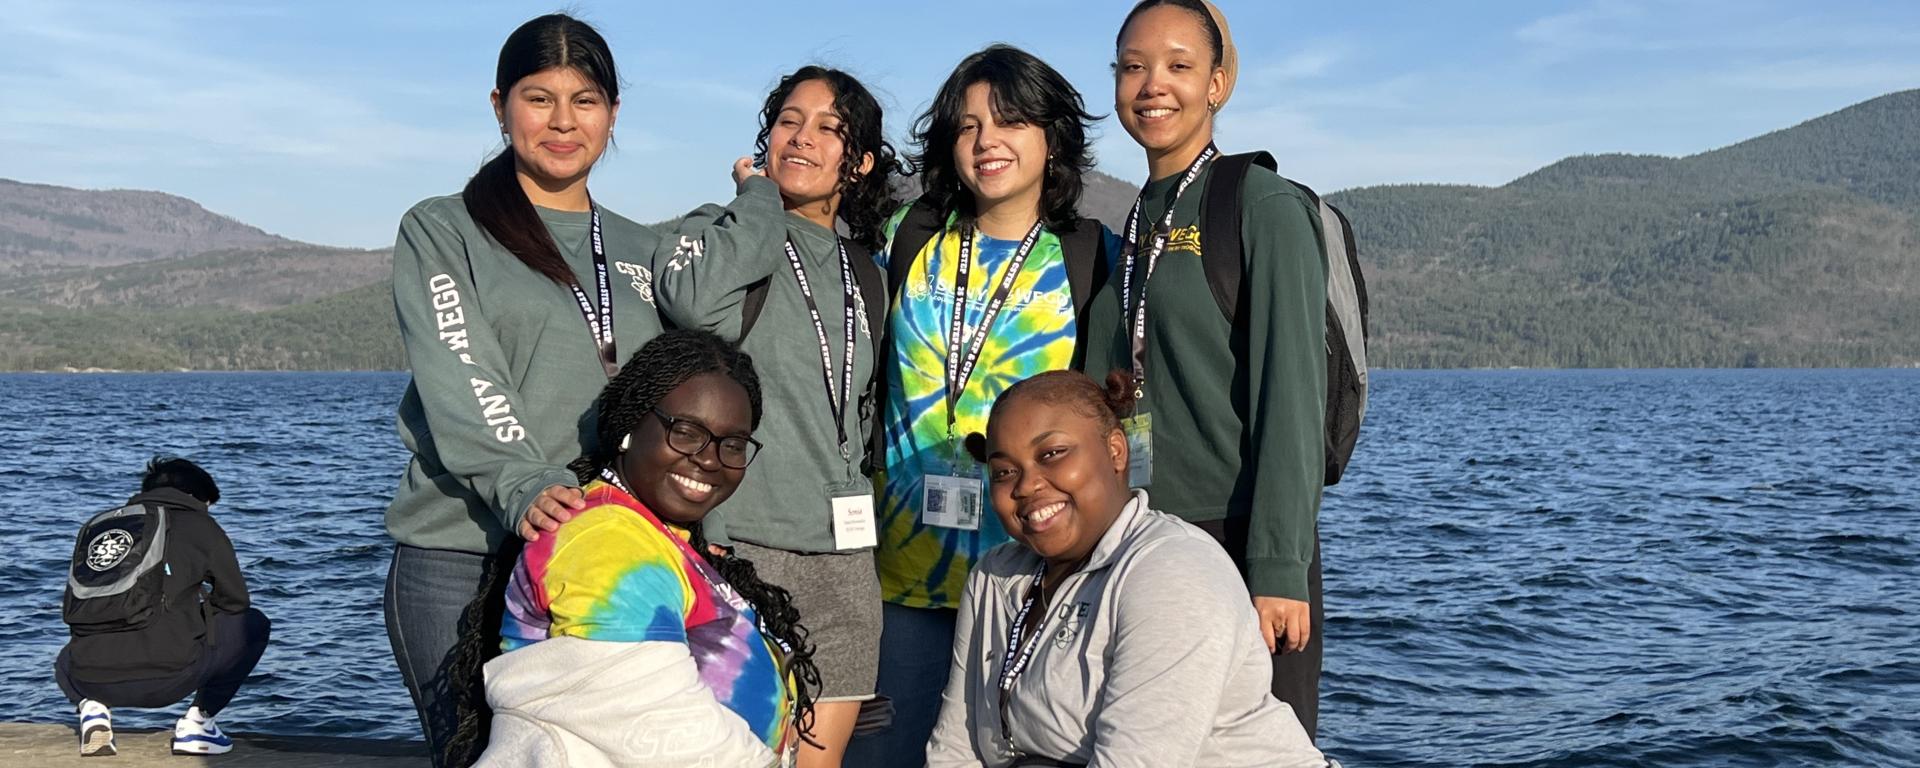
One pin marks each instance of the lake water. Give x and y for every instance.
(1524, 568)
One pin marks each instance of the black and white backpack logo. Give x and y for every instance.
(108, 549)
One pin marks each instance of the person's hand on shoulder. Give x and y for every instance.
(556, 504)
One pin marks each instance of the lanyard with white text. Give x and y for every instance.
(1138, 305)
(600, 322)
(1020, 654)
(838, 404)
(960, 366)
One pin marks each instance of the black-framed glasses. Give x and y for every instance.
(688, 438)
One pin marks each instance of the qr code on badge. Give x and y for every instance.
(936, 503)
(969, 509)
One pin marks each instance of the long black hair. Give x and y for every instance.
(1195, 6)
(663, 364)
(666, 362)
(864, 197)
(493, 196)
(1025, 90)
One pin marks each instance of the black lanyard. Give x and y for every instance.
(599, 323)
(837, 404)
(1020, 654)
(1138, 305)
(960, 366)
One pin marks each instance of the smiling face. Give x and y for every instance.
(999, 162)
(1163, 81)
(678, 488)
(1058, 478)
(559, 122)
(805, 147)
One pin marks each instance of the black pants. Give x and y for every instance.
(236, 641)
(1296, 676)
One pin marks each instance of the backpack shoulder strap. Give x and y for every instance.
(874, 287)
(1084, 249)
(1220, 226)
(920, 225)
(750, 307)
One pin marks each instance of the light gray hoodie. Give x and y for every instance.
(1151, 657)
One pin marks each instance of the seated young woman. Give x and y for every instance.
(628, 640)
(1106, 633)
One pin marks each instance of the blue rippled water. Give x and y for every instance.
(1524, 568)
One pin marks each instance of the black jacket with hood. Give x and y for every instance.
(198, 555)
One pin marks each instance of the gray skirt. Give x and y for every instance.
(838, 597)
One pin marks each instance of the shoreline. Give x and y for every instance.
(43, 744)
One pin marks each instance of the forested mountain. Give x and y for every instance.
(1797, 248)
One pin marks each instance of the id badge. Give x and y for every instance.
(854, 526)
(1139, 431)
(951, 501)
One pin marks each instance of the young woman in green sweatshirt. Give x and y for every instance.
(772, 270)
(1232, 442)
(516, 299)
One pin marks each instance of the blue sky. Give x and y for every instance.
(325, 121)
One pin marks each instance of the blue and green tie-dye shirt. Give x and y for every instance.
(925, 566)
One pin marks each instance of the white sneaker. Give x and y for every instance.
(96, 729)
(195, 734)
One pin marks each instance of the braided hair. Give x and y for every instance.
(666, 362)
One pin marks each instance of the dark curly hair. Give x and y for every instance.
(666, 362)
(1025, 90)
(864, 197)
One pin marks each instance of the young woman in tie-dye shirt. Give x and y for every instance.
(1001, 151)
(624, 631)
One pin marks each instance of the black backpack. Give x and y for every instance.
(1346, 296)
(114, 582)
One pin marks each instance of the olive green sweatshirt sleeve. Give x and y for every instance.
(1287, 387)
(703, 270)
(466, 391)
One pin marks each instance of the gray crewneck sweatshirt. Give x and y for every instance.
(702, 276)
(504, 369)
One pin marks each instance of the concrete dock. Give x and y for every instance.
(38, 745)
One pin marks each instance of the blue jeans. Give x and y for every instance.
(916, 652)
(436, 602)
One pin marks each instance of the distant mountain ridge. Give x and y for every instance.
(1800, 247)
(44, 227)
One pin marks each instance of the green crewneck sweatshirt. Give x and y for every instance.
(704, 272)
(505, 371)
(1224, 448)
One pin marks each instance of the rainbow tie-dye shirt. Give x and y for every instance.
(925, 566)
(616, 573)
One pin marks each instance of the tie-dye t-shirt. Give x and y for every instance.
(616, 573)
(925, 566)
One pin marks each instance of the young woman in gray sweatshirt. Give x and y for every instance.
(1106, 633)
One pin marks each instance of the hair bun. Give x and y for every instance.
(1119, 393)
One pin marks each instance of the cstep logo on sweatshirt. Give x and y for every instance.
(642, 279)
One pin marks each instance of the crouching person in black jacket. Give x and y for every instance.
(158, 610)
